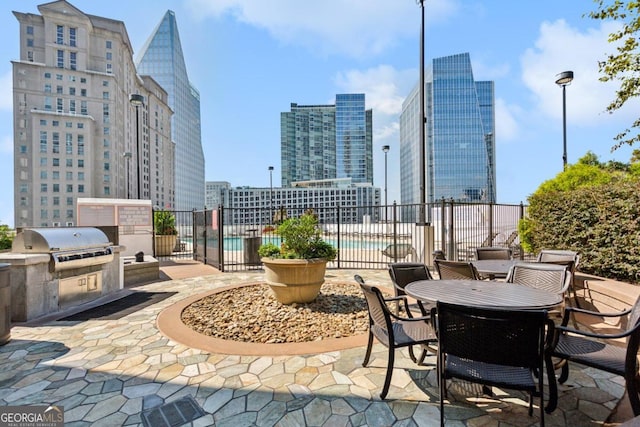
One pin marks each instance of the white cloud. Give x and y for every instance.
(355, 27)
(6, 92)
(507, 128)
(559, 48)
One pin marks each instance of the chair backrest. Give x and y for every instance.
(439, 254)
(379, 314)
(557, 256)
(403, 273)
(502, 337)
(493, 252)
(458, 270)
(549, 277)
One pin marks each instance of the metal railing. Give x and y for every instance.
(228, 238)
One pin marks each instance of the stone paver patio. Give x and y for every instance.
(107, 372)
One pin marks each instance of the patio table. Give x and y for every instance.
(487, 293)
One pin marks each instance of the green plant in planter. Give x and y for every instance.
(301, 239)
(164, 223)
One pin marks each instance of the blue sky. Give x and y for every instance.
(250, 59)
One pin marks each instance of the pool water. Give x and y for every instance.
(236, 243)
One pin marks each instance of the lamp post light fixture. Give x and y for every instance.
(270, 194)
(137, 100)
(564, 79)
(385, 149)
(127, 157)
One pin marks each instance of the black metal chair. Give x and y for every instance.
(549, 277)
(393, 331)
(569, 259)
(493, 252)
(403, 273)
(493, 347)
(457, 270)
(598, 351)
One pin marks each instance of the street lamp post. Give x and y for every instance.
(385, 149)
(127, 157)
(423, 121)
(270, 194)
(564, 79)
(137, 100)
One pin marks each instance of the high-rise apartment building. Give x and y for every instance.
(76, 133)
(459, 133)
(320, 142)
(162, 58)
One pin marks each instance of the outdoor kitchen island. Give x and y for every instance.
(53, 269)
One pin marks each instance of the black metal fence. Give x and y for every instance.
(228, 238)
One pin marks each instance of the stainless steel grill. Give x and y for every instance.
(71, 247)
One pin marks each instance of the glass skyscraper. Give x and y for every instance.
(162, 58)
(320, 142)
(459, 133)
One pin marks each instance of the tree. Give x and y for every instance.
(624, 66)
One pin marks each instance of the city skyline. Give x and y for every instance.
(250, 60)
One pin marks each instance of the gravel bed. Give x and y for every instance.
(252, 314)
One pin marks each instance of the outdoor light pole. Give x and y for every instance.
(385, 149)
(423, 121)
(137, 100)
(270, 194)
(564, 79)
(127, 157)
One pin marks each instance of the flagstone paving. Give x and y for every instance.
(107, 372)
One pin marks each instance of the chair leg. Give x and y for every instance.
(632, 391)
(412, 355)
(387, 379)
(368, 353)
(564, 374)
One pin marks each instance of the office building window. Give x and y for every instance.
(55, 142)
(58, 76)
(83, 92)
(47, 75)
(69, 188)
(80, 176)
(43, 174)
(55, 162)
(80, 188)
(59, 34)
(59, 105)
(43, 141)
(47, 88)
(56, 188)
(69, 163)
(43, 214)
(69, 201)
(72, 36)
(108, 44)
(47, 103)
(43, 188)
(107, 191)
(55, 123)
(29, 29)
(29, 42)
(69, 176)
(81, 145)
(56, 175)
(72, 106)
(70, 213)
(83, 108)
(109, 56)
(109, 68)
(80, 163)
(43, 201)
(56, 200)
(43, 161)
(60, 62)
(73, 60)
(59, 89)
(69, 144)
(68, 125)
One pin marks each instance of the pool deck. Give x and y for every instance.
(110, 372)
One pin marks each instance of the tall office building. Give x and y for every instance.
(459, 133)
(327, 141)
(161, 58)
(76, 133)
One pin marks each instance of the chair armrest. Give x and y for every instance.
(568, 310)
(626, 333)
(411, 318)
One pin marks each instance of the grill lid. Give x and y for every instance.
(47, 240)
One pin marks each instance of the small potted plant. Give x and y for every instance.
(295, 269)
(164, 224)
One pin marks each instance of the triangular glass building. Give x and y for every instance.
(459, 134)
(161, 58)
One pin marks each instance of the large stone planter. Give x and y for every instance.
(165, 244)
(294, 280)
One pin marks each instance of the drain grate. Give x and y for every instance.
(178, 412)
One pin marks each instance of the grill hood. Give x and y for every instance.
(69, 247)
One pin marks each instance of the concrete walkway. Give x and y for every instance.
(115, 372)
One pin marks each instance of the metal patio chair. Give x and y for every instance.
(457, 270)
(597, 350)
(549, 277)
(569, 259)
(403, 273)
(393, 331)
(493, 347)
